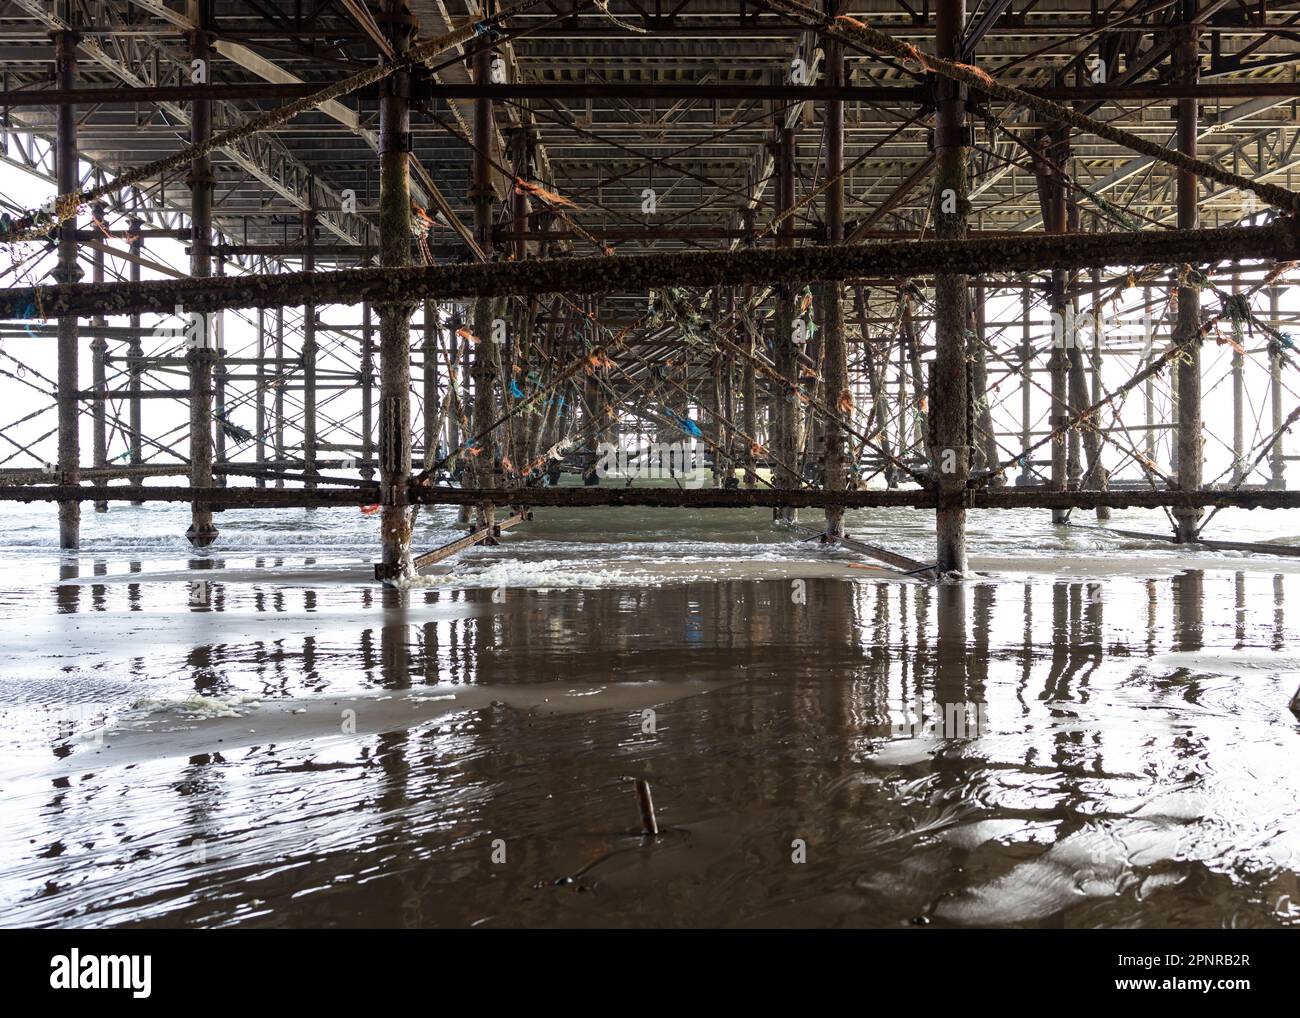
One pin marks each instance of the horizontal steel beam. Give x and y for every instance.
(662, 498)
(633, 90)
(1279, 241)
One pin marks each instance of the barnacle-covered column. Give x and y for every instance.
(395, 318)
(99, 367)
(135, 360)
(837, 394)
(484, 368)
(948, 402)
(67, 271)
(1187, 333)
(201, 355)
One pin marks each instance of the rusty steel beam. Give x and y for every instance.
(1278, 241)
(562, 91)
(665, 498)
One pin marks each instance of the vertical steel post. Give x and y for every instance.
(949, 399)
(1188, 335)
(68, 180)
(135, 361)
(309, 348)
(201, 355)
(1277, 456)
(367, 393)
(99, 366)
(836, 365)
(394, 319)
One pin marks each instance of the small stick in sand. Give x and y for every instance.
(649, 826)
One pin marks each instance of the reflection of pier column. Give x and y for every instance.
(395, 639)
(1189, 603)
(67, 596)
(951, 694)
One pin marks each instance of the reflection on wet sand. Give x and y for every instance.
(1037, 752)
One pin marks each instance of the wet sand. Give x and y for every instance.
(1125, 753)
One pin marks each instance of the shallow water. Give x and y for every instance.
(263, 737)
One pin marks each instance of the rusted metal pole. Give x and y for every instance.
(394, 318)
(646, 806)
(135, 358)
(454, 376)
(836, 363)
(220, 375)
(1056, 213)
(201, 355)
(367, 393)
(99, 352)
(259, 417)
(1149, 386)
(1026, 475)
(1277, 458)
(987, 445)
(949, 396)
(484, 365)
(876, 382)
(785, 399)
(1188, 335)
(1098, 476)
(277, 405)
(67, 175)
(429, 352)
(749, 380)
(1238, 406)
(309, 348)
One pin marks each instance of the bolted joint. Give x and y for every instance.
(395, 142)
(396, 86)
